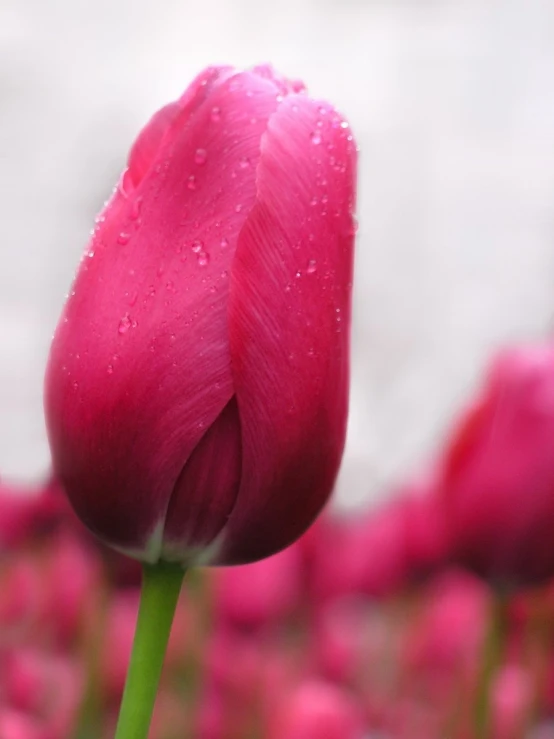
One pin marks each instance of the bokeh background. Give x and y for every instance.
(452, 104)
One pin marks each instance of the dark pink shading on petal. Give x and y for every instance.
(289, 313)
(151, 138)
(140, 365)
(206, 490)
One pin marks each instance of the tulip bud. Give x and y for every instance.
(18, 725)
(497, 483)
(196, 391)
(259, 594)
(318, 710)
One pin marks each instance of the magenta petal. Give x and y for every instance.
(149, 141)
(140, 364)
(289, 314)
(206, 490)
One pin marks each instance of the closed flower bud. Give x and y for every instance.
(196, 392)
(497, 484)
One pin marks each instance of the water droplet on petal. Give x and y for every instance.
(110, 369)
(123, 238)
(298, 274)
(316, 138)
(244, 162)
(224, 243)
(312, 266)
(203, 258)
(201, 156)
(216, 114)
(197, 246)
(136, 208)
(124, 324)
(344, 124)
(238, 208)
(191, 182)
(170, 286)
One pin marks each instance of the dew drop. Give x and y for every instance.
(344, 124)
(224, 274)
(314, 201)
(110, 369)
(316, 138)
(216, 114)
(191, 182)
(203, 258)
(170, 286)
(90, 254)
(136, 208)
(298, 274)
(197, 246)
(224, 243)
(124, 324)
(244, 162)
(200, 156)
(312, 266)
(238, 208)
(123, 238)
(172, 338)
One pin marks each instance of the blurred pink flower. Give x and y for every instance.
(497, 481)
(259, 594)
(317, 710)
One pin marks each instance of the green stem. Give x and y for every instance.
(161, 585)
(491, 659)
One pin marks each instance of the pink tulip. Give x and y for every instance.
(259, 594)
(447, 638)
(498, 480)
(19, 725)
(72, 584)
(342, 640)
(317, 710)
(196, 392)
(361, 554)
(511, 702)
(45, 685)
(25, 511)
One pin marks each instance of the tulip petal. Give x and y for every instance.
(206, 490)
(150, 139)
(140, 364)
(289, 315)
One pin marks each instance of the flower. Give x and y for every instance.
(196, 390)
(497, 482)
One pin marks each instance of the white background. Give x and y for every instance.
(452, 104)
